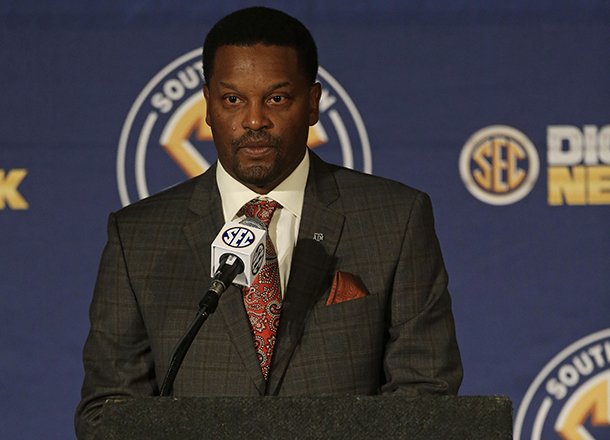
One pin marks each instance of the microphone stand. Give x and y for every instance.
(230, 267)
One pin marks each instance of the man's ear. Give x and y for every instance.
(315, 92)
(206, 95)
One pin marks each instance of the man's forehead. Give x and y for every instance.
(276, 61)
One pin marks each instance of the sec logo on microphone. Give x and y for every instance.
(238, 237)
(258, 258)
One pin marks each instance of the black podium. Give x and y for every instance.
(350, 417)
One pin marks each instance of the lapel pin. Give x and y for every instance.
(318, 236)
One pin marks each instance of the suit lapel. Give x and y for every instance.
(206, 203)
(313, 264)
(236, 320)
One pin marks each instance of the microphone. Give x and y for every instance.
(245, 240)
(238, 254)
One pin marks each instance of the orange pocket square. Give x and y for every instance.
(345, 288)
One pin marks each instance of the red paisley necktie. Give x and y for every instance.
(263, 299)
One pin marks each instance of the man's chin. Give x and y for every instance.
(256, 175)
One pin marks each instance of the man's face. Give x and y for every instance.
(260, 106)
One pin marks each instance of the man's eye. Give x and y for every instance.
(232, 99)
(277, 99)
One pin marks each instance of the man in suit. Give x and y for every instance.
(363, 289)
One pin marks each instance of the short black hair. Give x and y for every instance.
(250, 26)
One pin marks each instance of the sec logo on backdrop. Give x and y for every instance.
(570, 397)
(499, 165)
(165, 138)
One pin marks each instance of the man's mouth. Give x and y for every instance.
(256, 149)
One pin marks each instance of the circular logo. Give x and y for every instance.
(258, 258)
(238, 237)
(570, 397)
(165, 138)
(499, 165)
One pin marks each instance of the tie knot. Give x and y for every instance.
(262, 209)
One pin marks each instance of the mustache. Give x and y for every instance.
(256, 137)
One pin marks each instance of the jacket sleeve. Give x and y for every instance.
(117, 355)
(421, 353)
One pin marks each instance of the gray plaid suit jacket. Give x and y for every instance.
(155, 269)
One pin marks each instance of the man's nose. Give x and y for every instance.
(255, 117)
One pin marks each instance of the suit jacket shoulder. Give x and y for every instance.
(174, 201)
(358, 195)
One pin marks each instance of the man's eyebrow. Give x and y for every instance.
(278, 86)
(227, 85)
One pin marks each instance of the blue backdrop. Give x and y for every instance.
(499, 110)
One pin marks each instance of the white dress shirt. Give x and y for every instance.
(284, 226)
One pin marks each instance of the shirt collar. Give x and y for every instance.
(289, 193)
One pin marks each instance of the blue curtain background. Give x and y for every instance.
(527, 279)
